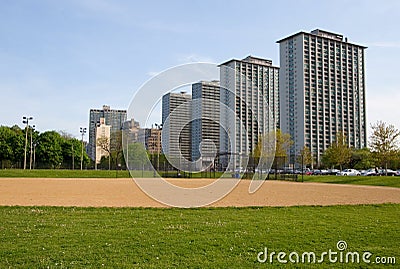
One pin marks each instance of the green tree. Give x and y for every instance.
(6, 151)
(137, 156)
(264, 152)
(104, 143)
(72, 147)
(283, 144)
(49, 149)
(338, 153)
(12, 142)
(116, 147)
(305, 157)
(362, 159)
(384, 142)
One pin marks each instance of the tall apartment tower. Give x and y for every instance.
(176, 134)
(322, 91)
(205, 125)
(102, 131)
(112, 117)
(253, 95)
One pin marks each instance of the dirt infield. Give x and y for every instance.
(125, 193)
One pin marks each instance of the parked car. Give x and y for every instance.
(369, 172)
(387, 172)
(320, 172)
(349, 172)
(333, 171)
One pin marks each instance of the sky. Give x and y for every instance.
(59, 59)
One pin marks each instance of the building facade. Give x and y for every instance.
(131, 130)
(103, 132)
(151, 138)
(253, 96)
(322, 91)
(205, 123)
(176, 116)
(115, 118)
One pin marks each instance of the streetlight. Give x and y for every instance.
(96, 124)
(159, 127)
(25, 120)
(34, 154)
(30, 159)
(82, 131)
(73, 156)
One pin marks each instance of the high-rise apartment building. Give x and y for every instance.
(151, 139)
(205, 123)
(253, 96)
(103, 132)
(131, 131)
(112, 117)
(322, 91)
(176, 107)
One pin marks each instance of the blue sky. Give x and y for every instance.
(58, 59)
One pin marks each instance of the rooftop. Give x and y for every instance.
(322, 33)
(253, 60)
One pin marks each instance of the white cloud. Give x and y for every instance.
(152, 73)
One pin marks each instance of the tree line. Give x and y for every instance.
(383, 150)
(49, 149)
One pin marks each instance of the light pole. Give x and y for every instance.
(26, 120)
(96, 124)
(159, 127)
(30, 152)
(34, 154)
(82, 131)
(73, 157)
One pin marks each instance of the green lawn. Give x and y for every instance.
(57, 237)
(56, 173)
(387, 181)
(60, 173)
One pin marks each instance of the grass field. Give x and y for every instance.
(387, 181)
(60, 173)
(56, 237)
(360, 180)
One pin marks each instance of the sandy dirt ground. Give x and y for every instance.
(126, 193)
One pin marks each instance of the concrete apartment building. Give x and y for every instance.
(115, 118)
(205, 125)
(176, 107)
(151, 138)
(251, 81)
(322, 91)
(103, 131)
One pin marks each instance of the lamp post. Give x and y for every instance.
(30, 152)
(25, 120)
(34, 154)
(82, 131)
(96, 124)
(159, 127)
